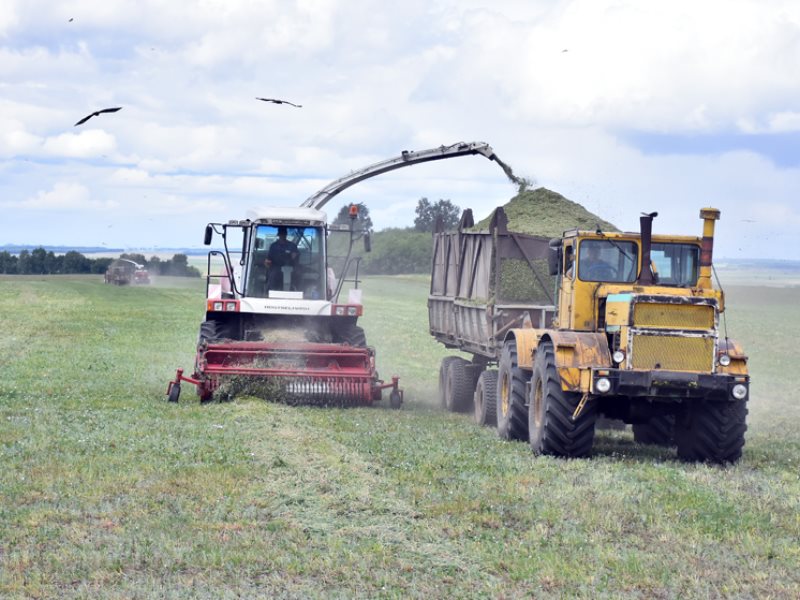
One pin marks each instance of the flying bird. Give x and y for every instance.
(276, 101)
(96, 113)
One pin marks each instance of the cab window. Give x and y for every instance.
(676, 264)
(610, 261)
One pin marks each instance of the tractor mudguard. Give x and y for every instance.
(576, 353)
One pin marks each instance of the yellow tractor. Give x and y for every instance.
(636, 337)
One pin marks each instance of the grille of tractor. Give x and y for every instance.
(673, 316)
(673, 353)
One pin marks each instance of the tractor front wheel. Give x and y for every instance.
(552, 427)
(712, 432)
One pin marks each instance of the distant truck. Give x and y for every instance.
(594, 324)
(124, 271)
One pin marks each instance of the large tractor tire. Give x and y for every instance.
(512, 414)
(552, 428)
(213, 331)
(658, 431)
(485, 399)
(458, 386)
(712, 432)
(354, 336)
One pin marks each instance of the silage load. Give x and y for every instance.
(546, 213)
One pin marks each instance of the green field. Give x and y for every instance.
(108, 491)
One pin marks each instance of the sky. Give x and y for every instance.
(621, 105)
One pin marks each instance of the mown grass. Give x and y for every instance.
(106, 490)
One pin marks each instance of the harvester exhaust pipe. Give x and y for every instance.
(709, 215)
(646, 228)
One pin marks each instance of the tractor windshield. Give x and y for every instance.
(287, 259)
(613, 261)
(676, 264)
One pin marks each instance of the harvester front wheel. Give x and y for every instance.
(458, 386)
(212, 330)
(658, 431)
(512, 414)
(485, 399)
(354, 336)
(712, 432)
(552, 427)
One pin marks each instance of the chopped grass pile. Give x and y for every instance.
(546, 213)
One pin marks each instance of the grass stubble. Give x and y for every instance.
(109, 491)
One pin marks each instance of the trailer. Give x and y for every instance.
(483, 284)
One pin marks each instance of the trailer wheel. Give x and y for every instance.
(512, 414)
(444, 367)
(552, 428)
(712, 432)
(458, 386)
(485, 398)
(174, 392)
(658, 431)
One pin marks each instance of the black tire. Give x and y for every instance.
(552, 429)
(485, 399)
(395, 400)
(443, 368)
(174, 393)
(213, 331)
(512, 414)
(458, 386)
(712, 432)
(658, 431)
(353, 335)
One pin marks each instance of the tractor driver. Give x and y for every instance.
(592, 266)
(282, 253)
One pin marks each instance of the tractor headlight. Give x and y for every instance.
(739, 391)
(724, 360)
(602, 385)
(618, 357)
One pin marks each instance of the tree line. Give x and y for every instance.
(45, 262)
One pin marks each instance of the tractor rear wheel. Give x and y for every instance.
(512, 414)
(552, 428)
(485, 399)
(458, 385)
(712, 431)
(658, 431)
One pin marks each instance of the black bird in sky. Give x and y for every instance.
(95, 113)
(275, 101)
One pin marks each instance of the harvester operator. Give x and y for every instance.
(282, 253)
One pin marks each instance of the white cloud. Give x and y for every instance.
(64, 196)
(86, 144)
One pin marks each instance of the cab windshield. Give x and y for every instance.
(611, 261)
(287, 259)
(676, 264)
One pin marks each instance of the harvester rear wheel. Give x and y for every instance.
(485, 398)
(552, 428)
(458, 386)
(712, 432)
(658, 431)
(512, 414)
